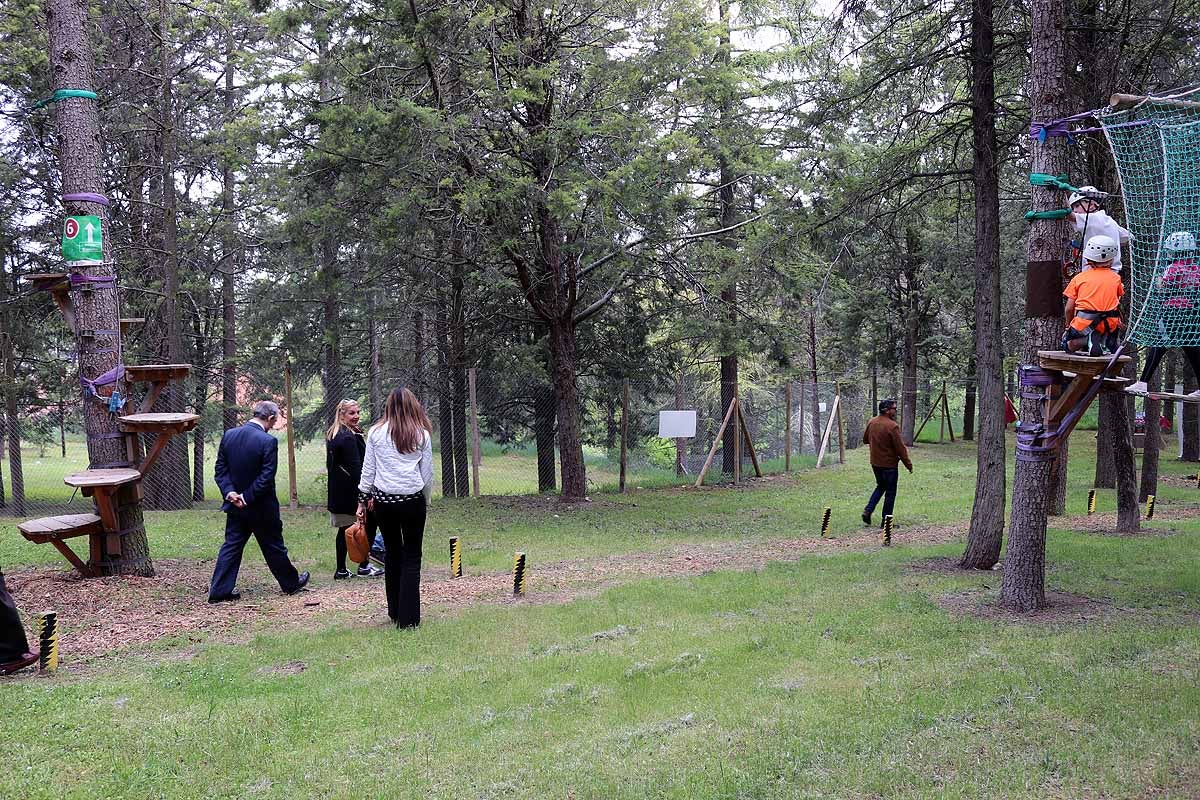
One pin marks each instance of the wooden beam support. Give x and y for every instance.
(69, 554)
(716, 443)
(828, 430)
(749, 443)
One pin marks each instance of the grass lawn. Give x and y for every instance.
(854, 673)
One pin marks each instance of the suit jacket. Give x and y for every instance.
(246, 463)
(343, 463)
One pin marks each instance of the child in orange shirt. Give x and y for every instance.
(1093, 296)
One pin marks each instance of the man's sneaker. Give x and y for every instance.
(1137, 387)
(369, 571)
(866, 517)
(342, 574)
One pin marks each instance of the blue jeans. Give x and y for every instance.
(885, 487)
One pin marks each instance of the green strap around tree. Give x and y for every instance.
(1057, 213)
(63, 94)
(1053, 181)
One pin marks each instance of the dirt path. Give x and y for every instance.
(101, 616)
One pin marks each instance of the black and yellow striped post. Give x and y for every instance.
(887, 531)
(1149, 506)
(48, 636)
(455, 558)
(825, 522)
(519, 574)
(1091, 502)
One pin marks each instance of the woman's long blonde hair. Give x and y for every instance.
(334, 429)
(405, 420)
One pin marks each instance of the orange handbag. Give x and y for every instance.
(357, 546)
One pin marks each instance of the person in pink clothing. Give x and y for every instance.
(1181, 283)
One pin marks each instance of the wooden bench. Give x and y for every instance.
(165, 425)
(66, 526)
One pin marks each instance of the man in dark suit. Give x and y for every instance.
(245, 474)
(14, 647)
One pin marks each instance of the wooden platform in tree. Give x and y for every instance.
(1062, 361)
(65, 526)
(129, 322)
(102, 478)
(157, 373)
(158, 423)
(49, 281)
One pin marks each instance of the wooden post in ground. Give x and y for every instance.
(749, 442)
(946, 412)
(716, 443)
(737, 440)
(940, 404)
(476, 451)
(787, 427)
(293, 495)
(624, 432)
(828, 430)
(837, 402)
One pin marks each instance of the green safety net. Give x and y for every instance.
(1156, 144)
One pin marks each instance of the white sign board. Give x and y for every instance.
(821, 406)
(677, 424)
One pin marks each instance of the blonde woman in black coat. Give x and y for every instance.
(344, 448)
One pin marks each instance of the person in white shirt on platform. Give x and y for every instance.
(1091, 220)
(397, 482)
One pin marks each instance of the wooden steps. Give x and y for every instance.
(1062, 361)
(59, 286)
(157, 373)
(66, 526)
(158, 376)
(102, 478)
(158, 423)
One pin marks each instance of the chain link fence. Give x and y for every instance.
(517, 454)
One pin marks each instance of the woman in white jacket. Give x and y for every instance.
(397, 480)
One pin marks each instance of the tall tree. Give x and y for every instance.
(1023, 587)
(80, 154)
(986, 533)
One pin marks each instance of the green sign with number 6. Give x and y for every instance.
(83, 239)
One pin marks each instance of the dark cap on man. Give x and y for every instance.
(884, 405)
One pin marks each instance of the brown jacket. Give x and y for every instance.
(887, 448)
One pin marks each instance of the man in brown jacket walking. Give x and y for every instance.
(887, 451)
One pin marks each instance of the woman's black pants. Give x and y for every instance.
(403, 528)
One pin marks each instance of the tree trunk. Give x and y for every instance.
(168, 486)
(1106, 470)
(1128, 510)
(12, 423)
(986, 532)
(445, 401)
(230, 254)
(200, 398)
(374, 380)
(726, 215)
(569, 411)
(681, 443)
(332, 382)
(968, 420)
(815, 405)
(1191, 415)
(544, 406)
(1152, 443)
(458, 363)
(79, 159)
(1024, 583)
(908, 388)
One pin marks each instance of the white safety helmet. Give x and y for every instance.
(1180, 240)
(1100, 249)
(1086, 193)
